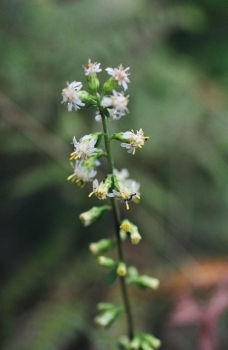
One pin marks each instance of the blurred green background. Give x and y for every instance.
(178, 57)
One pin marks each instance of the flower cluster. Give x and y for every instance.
(116, 185)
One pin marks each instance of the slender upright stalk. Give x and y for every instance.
(117, 223)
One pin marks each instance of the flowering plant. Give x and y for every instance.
(117, 185)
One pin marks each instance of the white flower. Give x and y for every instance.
(84, 148)
(121, 175)
(97, 116)
(100, 190)
(71, 96)
(125, 193)
(91, 68)
(120, 75)
(81, 174)
(134, 140)
(137, 185)
(118, 102)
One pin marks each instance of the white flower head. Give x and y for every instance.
(118, 104)
(84, 148)
(134, 140)
(137, 185)
(91, 68)
(121, 175)
(126, 193)
(100, 189)
(71, 96)
(120, 75)
(81, 173)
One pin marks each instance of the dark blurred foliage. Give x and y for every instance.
(178, 54)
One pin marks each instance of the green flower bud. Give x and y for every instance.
(132, 229)
(135, 343)
(93, 214)
(144, 281)
(105, 306)
(134, 235)
(132, 271)
(93, 82)
(109, 85)
(124, 343)
(146, 346)
(102, 246)
(107, 317)
(121, 269)
(123, 235)
(86, 97)
(106, 262)
(152, 341)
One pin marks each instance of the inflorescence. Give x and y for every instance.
(117, 185)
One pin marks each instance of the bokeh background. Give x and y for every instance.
(178, 57)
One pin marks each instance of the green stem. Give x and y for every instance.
(117, 223)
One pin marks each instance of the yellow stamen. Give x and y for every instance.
(90, 194)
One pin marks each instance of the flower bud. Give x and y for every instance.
(149, 282)
(109, 85)
(152, 341)
(86, 97)
(104, 306)
(135, 238)
(123, 235)
(121, 269)
(108, 316)
(93, 82)
(124, 343)
(101, 246)
(146, 346)
(134, 235)
(106, 262)
(132, 229)
(93, 214)
(126, 225)
(144, 281)
(132, 271)
(135, 343)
